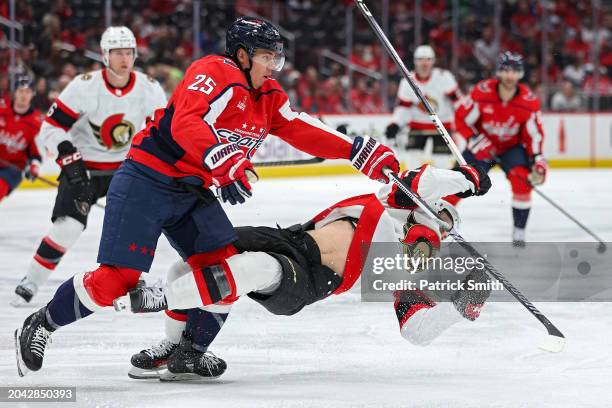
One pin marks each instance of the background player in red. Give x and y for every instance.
(501, 122)
(215, 121)
(19, 125)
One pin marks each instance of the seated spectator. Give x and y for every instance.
(485, 49)
(576, 69)
(566, 99)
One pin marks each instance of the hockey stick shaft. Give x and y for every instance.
(406, 74)
(313, 160)
(42, 179)
(552, 330)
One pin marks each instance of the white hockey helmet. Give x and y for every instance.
(424, 51)
(443, 205)
(117, 37)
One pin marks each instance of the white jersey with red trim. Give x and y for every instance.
(381, 217)
(101, 120)
(440, 89)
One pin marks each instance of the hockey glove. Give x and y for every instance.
(476, 175)
(481, 147)
(32, 169)
(231, 172)
(75, 174)
(538, 171)
(370, 157)
(391, 131)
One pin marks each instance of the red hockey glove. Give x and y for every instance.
(370, 157)
(538, 171)
(75, 174)
(32, 169)
(478, 176)
(481, 147)
(231, 172)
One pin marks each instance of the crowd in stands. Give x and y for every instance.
(61, 39)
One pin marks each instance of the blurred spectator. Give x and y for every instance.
(566, 99)
(41, 98)
(485, 49)
(576, 69)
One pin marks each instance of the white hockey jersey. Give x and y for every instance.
(441, 91)
(381, 219)
(101, 120)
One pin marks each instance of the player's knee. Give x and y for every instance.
(518, 177)
(105, 284)
(211, 258)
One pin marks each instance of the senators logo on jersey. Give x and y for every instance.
(114, 133)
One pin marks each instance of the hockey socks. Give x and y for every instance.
(65, 307)
(203, 327)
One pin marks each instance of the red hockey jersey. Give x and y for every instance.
(214, 104)
(17, 133)
(504, 124)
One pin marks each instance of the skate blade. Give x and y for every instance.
(169, 377)
(553, 344)
(18, 301)
(122, 303)
(144, 374)
(22, 370)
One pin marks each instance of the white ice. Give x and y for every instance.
(339, 352)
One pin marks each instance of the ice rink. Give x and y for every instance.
(339, 352)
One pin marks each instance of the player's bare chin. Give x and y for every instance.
(334, 240)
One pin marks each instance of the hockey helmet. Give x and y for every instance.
(252, 33)
(451, 210)
(24, 81)
(424, 51)
(117, 37)
(510, 61)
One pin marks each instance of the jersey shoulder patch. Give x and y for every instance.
(86, 76)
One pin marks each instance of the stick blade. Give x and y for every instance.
(553, 344)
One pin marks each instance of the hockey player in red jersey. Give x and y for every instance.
(90, 127)
(501, 122)
(19, 126)
(213, 124)
(287, 269)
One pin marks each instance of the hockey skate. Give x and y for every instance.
(150, 363)
(189, 364)
(518, 237)
(24, 292)
(142, 299)
(470, 302)
(31, 341)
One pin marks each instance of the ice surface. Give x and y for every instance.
(339, 352)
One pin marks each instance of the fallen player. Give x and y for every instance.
(287, 269)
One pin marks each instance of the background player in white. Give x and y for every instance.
(440, 88)
(90, 127)
(288, 269)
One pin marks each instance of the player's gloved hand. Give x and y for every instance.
(391, 131)
(370, 157)
(537, 176)
(421, 241)
(231, 172)
(481, 147)
(478, 176)
(75, 174)
(32, 169)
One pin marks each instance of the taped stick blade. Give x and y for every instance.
(553, 344)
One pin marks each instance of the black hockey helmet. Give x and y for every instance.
(510, 61)
(24, 81)
(251, 33)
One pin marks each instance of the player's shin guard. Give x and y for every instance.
(66, 307)
(62, 236)
(203, 327)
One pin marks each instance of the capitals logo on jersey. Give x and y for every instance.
(248, 136)
(115, 132)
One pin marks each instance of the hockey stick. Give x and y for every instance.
(313, 160)
(406, 74)
(43, 179)
(601, 248)
(555, 340)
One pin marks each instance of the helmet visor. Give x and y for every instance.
(272, 60)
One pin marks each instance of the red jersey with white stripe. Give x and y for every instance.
(506, 124)
(17, 136)
(442, 92)
(214, 104)
(381, 218)
(99, 119)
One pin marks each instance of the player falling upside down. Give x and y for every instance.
(287, 269)
(501, 122)
(90, 127)
(19, 126)
(214, 123)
